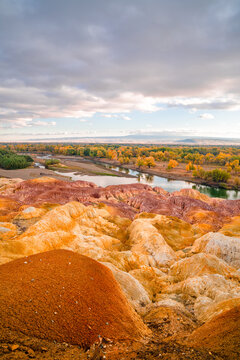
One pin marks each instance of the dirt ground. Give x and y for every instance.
(86, 167)
(80, 166)
(30, 173)
(15, 346)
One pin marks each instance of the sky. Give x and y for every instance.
(117, 67)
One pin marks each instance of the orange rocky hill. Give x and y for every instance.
(172, 258)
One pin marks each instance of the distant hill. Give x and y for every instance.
(146, 138)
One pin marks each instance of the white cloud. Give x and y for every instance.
(206, 116)
(115, 61)
(23, 104)
(43, 123)
(192, 110)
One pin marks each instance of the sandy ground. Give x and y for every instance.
(30, 173)
(87, 167)
(78, 165)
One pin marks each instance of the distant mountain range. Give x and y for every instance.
(147, 138)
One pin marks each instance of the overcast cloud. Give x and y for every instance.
(73, 58)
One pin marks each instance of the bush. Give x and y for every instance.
(50, 162)
(219, 175)
(10, 161)
(216, 175)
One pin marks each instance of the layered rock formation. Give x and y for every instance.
(174, 256)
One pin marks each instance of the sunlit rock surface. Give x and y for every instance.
(131, 199)
(224, 247)
(175, 256)
(132, 288)
(232, 228)
(201, 264)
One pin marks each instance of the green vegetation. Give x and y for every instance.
(220, 162)
(9, 160)
(216, 175)
(50, 162)
(228, 156)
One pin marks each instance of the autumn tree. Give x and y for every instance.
(140, 162)
(172, 164)
(190, 166)
(149, 161)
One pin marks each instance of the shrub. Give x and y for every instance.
(10, 160)
(50, 162)
(216, 175)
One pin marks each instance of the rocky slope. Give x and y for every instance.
(175, 257)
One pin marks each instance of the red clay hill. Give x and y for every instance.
(63, 296)
(127, 200)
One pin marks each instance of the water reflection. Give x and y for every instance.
(149, 178)
(176, 185)
(217, 192)
(153, 180)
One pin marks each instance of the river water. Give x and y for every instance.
(153, 180)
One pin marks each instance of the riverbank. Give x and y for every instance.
(31, 173)
(81, 166)
(179, 173)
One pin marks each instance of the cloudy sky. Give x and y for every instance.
(112, 67)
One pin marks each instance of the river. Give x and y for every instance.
(153, 180)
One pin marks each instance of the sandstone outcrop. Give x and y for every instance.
(201, 264)
(132, 288)
(224, 247)
(126, 199)
(149, 244)
(174, 256)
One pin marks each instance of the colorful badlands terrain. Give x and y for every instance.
(122, 272)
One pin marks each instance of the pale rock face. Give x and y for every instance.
(214, 309)
(30, 212)
(152, 279)
(205, 292)
(177, 233)
(224, 247)
(214, 286)
(7, 185)
(134, 291)
(69, 226)
(169, 303)
(232, 228)
(123, 260)
(149, 244)
(7, 230)
(4, 229)
(201, 264)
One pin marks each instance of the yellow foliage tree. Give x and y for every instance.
(172, 164)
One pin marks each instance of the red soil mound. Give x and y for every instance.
(222, 333)
(63, 296)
